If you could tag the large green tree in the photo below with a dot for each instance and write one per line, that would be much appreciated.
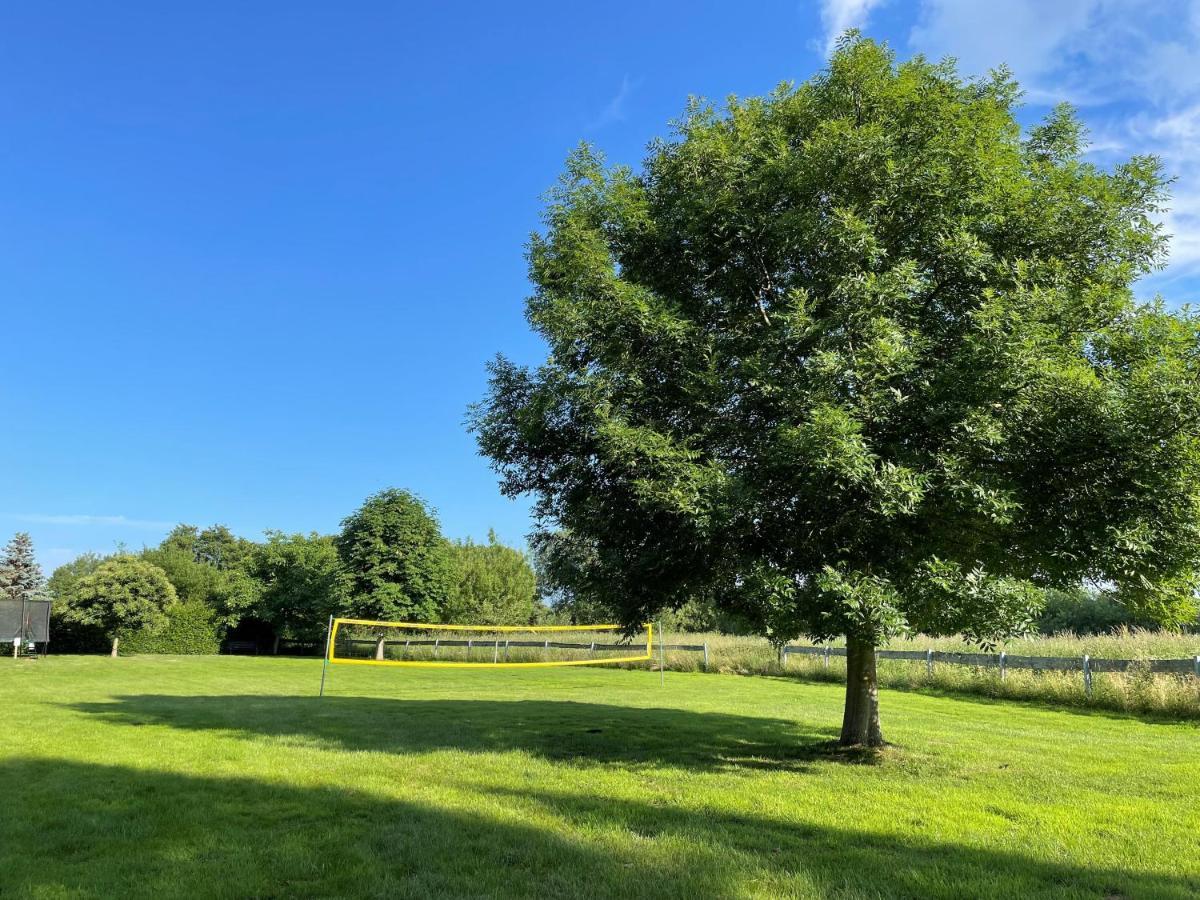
(397, 563)
(122, 595)
(858, 358)
(494, 585)
(209, 566)
(301, 584)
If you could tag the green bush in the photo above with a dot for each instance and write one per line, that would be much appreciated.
(190, 629)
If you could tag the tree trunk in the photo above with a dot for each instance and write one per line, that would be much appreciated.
(860, 723)
(116, 641)
(275, 646)
(379, 647)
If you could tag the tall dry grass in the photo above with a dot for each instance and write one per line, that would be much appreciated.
(1137, 690)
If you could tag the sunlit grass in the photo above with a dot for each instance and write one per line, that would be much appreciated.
(198, 777)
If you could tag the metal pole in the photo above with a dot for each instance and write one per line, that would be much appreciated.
(325, 658)
(662, 660)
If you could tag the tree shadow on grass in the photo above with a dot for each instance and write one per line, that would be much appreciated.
(99, 830)
(556, 730)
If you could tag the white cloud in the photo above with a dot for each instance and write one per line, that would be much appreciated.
(614, 111)
(838, 16)
(79, 519)
(1031, 37)
(1133, 66)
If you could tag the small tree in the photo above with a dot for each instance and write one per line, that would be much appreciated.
(397, 563)
(494, 585)
(20, 575)
(69, 634)
(123, 594)
(858, 358)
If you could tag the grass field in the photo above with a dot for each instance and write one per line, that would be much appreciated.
(220, 776)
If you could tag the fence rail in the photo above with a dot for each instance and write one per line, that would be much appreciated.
(505, 643)
(1085, 665)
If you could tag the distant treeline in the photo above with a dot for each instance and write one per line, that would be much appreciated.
(200, 588)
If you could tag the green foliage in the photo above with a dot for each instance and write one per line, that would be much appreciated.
(209, 567)
(123, 595)
(189, 628)
(857, 358)
(1083, 612)
(20, 575)
(68, 634)
(396, 562)
(494, 585)
(300, 583)
(66, 578)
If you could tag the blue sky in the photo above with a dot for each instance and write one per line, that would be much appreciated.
(254, 256)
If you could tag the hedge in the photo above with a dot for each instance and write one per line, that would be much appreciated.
(189, 629)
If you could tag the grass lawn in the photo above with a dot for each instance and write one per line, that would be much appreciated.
(227, 776)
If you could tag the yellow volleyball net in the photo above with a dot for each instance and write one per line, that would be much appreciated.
(369, 642)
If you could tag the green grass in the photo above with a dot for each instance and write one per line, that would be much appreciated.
(209, 776)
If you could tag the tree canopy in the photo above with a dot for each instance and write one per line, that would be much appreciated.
(494, 585)
(857, 358)
(20, 575)
(209, 566)
(397, 563)
(123, 594)
(301, 583)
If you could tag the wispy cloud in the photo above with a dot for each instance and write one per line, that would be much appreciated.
(615, 110)
(80, 519)
(838, 16)
(1133, 65)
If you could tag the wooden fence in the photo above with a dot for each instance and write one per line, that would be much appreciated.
(1085, 665)
(498, 644)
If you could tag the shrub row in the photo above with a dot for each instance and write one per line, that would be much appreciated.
(190, 629)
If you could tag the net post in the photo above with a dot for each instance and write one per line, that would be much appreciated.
(662, 659)
(325, 655)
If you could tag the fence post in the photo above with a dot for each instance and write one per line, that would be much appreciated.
(1087, 676)
(495, 651)
(825, 657)
(1003, 669)
(929, 662)
(783, 656)
(506, 640)
(706, 659)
